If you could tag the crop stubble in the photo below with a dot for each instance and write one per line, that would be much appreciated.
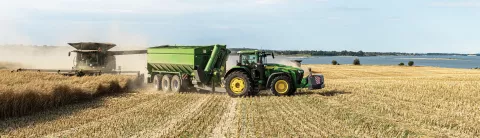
(362, 101)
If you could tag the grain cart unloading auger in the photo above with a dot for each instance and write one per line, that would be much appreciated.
(93, 59)
(181, 68)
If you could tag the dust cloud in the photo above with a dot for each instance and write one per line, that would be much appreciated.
(134, 62)
(40, 57)
(56, 57)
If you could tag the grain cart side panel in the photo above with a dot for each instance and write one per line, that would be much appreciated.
(200, 63)
(170, 60)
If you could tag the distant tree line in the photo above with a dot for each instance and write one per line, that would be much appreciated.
(342, 53)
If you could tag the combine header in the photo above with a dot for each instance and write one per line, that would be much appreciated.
(93, 59)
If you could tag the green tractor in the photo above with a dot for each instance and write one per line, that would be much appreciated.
(252, 74)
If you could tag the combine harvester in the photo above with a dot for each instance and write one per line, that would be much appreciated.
(93, 59)
(184, 68)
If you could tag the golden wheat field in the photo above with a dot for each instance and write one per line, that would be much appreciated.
(23, 93)
(358, 101)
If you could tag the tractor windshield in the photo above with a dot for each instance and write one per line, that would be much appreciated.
(249, 59)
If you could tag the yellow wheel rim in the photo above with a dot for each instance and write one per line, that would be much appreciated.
(281, 86)
(237, 85)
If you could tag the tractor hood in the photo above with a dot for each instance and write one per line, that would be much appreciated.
(281, 66)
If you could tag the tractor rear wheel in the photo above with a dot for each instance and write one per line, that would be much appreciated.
(176, 83)
(166, 83)
(157, 82)
(282, 86)
(238, 84)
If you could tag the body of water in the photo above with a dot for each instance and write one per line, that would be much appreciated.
(435, 61)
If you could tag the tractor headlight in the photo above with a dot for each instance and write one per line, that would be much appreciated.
(300, 71)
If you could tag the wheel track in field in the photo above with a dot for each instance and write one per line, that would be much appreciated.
(383, 99)
(226, 122)
(377, 98)
(161, 130)
(312, 109)
(264, 124)
(285, 116)
(292, 108)
(289, 107)
(96, 123)
(204, 120)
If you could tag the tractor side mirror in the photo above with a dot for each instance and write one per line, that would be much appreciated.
(69, 53)
(238, 63)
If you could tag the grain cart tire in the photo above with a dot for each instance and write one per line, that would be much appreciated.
(238, 84)
(176, 83)
(157, 82)
(166, 79)
(282, 86)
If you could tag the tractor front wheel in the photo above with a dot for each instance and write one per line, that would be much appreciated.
(282, 86)
(238, 84)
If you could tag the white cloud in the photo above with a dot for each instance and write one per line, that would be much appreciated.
(270, 1)
(137, 6)
(128, 6)
(466, 4)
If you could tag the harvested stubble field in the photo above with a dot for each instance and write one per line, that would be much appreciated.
(23, 93)
(359, 101)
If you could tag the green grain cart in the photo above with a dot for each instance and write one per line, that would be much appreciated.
(181, 68)
(177, 68)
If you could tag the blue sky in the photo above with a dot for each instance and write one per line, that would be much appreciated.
(368, 25)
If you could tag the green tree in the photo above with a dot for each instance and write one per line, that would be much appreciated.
(334, 62)
(410, 63)
(360, 53)
(356, 62)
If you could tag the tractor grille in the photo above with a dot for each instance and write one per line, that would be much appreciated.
(299, 78)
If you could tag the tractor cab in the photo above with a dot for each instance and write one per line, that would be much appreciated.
(253, 57)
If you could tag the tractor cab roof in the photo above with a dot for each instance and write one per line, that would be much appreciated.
(247, 52)
(92, 46)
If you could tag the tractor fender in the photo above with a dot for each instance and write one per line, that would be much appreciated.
(273, 75)
(237, 69)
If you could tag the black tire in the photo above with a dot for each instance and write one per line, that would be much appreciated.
(166, 83)
(237, 77)
(176, 83)
(278, 91)
(157, 82)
